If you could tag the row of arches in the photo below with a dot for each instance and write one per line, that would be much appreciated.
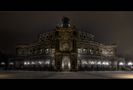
(30, 51)
(47, 36)
(91, 51)
(87, 36)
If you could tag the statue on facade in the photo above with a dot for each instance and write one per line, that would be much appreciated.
(65, 21)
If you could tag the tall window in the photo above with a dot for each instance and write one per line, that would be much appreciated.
(84, 50)
(79, 50)
(91, 51)
(47, 51)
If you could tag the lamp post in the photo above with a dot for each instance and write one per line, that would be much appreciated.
(130, 64)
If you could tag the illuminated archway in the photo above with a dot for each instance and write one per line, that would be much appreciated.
(66, 65)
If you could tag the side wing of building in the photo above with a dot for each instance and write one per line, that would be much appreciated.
(40, 52)
(92, 52)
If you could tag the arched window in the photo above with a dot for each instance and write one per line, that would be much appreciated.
(79, 50)
(46, 51)
(91, 51)
(97, 51)
(41, 51)
(84, 50)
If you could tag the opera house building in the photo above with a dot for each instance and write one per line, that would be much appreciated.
(66, 48)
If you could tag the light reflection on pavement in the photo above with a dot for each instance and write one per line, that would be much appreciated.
(124, 76)
(66, 75)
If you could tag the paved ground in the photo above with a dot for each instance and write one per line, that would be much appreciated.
(65, 75)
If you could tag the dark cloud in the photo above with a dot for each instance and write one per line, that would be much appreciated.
(108, 27)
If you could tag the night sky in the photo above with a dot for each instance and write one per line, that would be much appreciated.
(108, 27)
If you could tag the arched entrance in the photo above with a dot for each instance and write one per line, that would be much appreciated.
(66, 64)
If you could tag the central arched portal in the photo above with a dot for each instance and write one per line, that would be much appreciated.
(66, 64)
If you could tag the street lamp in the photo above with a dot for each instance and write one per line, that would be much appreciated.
(32, 63)
(99, 63)
(92, 62)
(107, 63)
(40, 62)
(26, 63)
(11, 63)
(121, 63)
(47, 62)
(130, 64)
(2, 63)
(104, 63)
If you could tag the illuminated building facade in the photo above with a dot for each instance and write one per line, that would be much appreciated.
(66, 49)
